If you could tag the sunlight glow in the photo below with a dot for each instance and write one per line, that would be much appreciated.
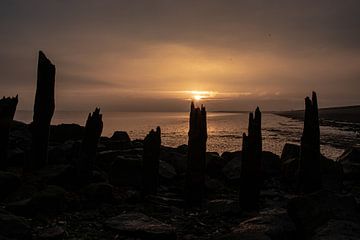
(201, 95)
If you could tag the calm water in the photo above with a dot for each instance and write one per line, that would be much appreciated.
(224, 129)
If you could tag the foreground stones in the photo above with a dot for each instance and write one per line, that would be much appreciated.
(141, 226)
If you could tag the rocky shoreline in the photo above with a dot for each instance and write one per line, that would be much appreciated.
(48, 204)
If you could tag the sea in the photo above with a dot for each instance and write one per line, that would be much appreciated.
(224, 129)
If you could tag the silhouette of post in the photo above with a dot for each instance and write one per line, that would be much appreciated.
(7, 112)
(43, 111)
(250, 178)
(150, 164)
(92, 133)
(196, 163)
(310, 166)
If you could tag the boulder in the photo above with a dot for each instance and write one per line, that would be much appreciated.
(290, 151)
(52, 233)
(271, 164)
(214, 164)
(50, 200)
(98, 192)
(9, 182)
(13, 227)
(177, 160)
(62, 175)
(166, 171)
(227, 156)
(350, 161)
(232, 170)
(269, 224)
(314, 210)
(223, 207)
(182, 149)
(338, 230)
(64, 132)
(15, 157)
(141, 226)
(121, 137)
(126, 172)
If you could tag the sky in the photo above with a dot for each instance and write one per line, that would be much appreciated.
(142, 55)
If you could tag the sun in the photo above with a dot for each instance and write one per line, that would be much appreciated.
(197, 97)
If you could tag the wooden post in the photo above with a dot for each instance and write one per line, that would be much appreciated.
(43, 111)
(310, 165)
(250, 178)
(150, 164)
(196, 164)
(7, 112)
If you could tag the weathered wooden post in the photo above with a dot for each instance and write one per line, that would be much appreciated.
(309, 173)
(250, 178)
(43, 111)
(150, 164)
(196, 163)
(92, 133)
(7, 112)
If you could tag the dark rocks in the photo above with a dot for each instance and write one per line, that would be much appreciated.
(121, 136)
(290, 151)
(214, 165)
(196, 163)
(176, 159)
(98, 192)
(64, 132)
(251, 175)
(223, 207)
(166, 171)
(50, 200)
(139, 225)
(232, 169)
(43, 111)
(61, 175)
(13, 227)
(309, 178)
(338, 230)
(270, 224)
(312, 211)
(350, 161)
(52, 233)
(9, 182)
(271, 165)
(150, 162)
(126, 172)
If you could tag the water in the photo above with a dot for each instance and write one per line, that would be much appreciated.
(224, 129)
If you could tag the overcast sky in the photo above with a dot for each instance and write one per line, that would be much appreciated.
(150, 55)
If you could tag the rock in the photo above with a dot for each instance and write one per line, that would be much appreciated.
(290, 151)
(350, 161)
(13, 227)
(9, 182)
(98, 192)
(269, 224)
(227, 156)
(64, 132)
(271, 164)
(214, 186)
(49, 200)
(121, 137)
(289, 170)
(126, 172)
(177, 160)
(223, 207)
(16, 157)
(232, 170)
(64, 153)
(139, 225)
(182, 149)
(338, 230)
(160, 200)
(214, 164)
(52, 233)
(166, 171)
(331, 174)
(313, 210)
(62, 175)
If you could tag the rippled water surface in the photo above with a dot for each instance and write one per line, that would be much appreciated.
(224, 129)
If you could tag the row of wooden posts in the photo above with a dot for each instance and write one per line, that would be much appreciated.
(309, 177)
